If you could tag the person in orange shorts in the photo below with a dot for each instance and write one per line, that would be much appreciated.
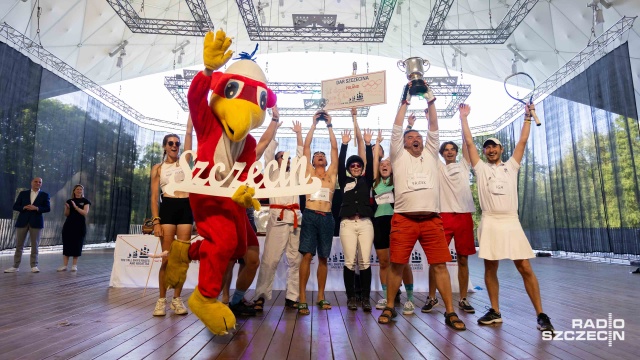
(417, 205)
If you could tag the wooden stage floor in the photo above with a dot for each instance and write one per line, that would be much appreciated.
(76, 315)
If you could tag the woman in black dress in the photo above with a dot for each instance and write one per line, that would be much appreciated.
(75, 227)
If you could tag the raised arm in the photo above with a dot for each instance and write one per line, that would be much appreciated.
(358, 135)
(188, 137)
(368, 161)
(342, 158)
(397, 135)
(376, 158)
(297, 128)
(269, 134)
(431, 112)
(333, 168)
(467, 138)
(518, 152)
(307, 141)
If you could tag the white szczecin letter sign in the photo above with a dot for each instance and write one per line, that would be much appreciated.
(287, 183)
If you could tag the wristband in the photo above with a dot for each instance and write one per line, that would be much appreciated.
(409, 127)
(329, 125)
(275, 119)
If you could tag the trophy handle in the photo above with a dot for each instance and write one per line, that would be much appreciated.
(426, 64)
(401, 63)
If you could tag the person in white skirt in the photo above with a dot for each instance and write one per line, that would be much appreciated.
(500, 234)
(283, 234)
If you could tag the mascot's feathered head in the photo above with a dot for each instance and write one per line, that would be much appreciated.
(241, 97)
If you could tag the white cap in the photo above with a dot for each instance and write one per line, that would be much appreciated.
(248, 69)
(491, 140)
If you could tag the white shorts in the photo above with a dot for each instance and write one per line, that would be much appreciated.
(500, 236)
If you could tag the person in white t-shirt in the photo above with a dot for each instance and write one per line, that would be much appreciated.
(417, 204)
(283, 233)
(456, 210)
(500, 234)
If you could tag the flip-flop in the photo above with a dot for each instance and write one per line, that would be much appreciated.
(323, 303)
(303, 309)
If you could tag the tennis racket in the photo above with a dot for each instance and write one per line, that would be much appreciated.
(521, 80)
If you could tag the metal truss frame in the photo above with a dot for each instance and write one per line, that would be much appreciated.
(302, 112)
(51, 62)
(198, 27)
(435, 34)
(442, 87)
(339, 33)
(569, 70)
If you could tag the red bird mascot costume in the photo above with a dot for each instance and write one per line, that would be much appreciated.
(237, 105)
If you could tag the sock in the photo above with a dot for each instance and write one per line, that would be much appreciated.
(237, 297)
(384, 291)
(409, 288)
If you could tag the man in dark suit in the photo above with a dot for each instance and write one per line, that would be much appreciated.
(31, 204)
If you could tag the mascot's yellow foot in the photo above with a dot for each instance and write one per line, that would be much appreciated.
(216, 316)
(177, 264)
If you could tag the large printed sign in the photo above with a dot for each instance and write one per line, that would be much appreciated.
(355, 91)
(133, 267)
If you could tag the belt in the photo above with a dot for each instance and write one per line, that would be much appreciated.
(421, 217)
(291, 207)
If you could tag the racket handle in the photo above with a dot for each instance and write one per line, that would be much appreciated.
(535, 117)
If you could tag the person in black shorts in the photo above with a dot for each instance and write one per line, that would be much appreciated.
(384, 199)
(172, 216)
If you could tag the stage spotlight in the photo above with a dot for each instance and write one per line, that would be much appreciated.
(514, 65)
(180, 56)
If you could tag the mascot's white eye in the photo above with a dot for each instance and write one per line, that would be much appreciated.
(262, 97)
(233, 88)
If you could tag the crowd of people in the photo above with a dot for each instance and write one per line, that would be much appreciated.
(388, 203)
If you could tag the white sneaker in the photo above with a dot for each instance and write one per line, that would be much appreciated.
(35, 269)
(408, 308)
(382, 303)
(74, 267)
(62, 268)
(178, 306)
(11, 270)
(160, 309)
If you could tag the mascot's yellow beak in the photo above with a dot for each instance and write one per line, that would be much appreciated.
(238, 116)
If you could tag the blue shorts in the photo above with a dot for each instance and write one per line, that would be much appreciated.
(316, 233)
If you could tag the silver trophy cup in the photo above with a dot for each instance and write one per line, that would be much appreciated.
(415, 68)
(321, 104)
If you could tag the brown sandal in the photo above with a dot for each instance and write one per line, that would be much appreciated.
(392, 313)
(454, 323)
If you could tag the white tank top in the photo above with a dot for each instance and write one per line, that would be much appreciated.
(170, 170)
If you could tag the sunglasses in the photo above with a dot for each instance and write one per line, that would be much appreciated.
(171, 143)
(282, 157)
(318, 153)
(355, 166)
